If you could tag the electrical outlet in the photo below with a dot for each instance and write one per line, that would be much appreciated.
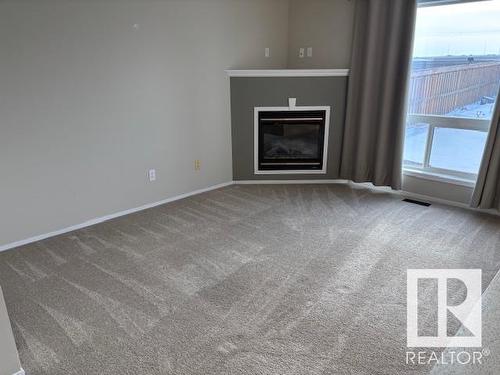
(197, 165)
(152, 175)
(302, 52)
(267, 52)
(309, 52)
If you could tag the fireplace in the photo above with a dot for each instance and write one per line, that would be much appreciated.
(291, 140)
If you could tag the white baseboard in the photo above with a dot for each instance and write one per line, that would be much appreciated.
(288, 182)
(108, 217)
(20, 372)
(445, 202)
(421, 197)
(401, 193)
(244, 182)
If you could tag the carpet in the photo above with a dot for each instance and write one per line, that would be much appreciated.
(262, 279)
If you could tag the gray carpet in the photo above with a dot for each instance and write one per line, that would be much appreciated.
(290, 279)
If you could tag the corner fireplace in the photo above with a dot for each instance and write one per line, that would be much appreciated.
(291, 140)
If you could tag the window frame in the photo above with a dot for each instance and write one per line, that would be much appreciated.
(425, 170)
(445, 122)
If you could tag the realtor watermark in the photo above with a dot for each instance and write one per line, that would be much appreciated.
(450, 357)
(468, 313)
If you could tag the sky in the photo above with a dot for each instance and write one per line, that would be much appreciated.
(459, 29)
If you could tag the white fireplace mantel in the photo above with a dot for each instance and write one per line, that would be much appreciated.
(291, 107)
(289, 73)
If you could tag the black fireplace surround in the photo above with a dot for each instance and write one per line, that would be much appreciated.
(291, 140)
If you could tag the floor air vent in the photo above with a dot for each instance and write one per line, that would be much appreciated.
(420, 203)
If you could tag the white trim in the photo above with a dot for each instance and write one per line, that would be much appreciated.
(445, 202)
(430, 199)
(438, 177)
(442, 174)
(289, 73)
(403, 194)
(450, 122)
(399, 193)
(242, 182)
(20, 372)
(257, 110)
(289, 182)
(109, 217)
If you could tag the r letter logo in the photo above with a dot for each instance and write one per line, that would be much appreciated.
(468, 312)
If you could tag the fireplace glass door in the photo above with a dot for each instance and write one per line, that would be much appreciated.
(291, 140)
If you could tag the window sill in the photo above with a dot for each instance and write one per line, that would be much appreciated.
(438, 177)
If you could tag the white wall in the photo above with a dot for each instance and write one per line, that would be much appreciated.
(89, 103)
(325, 25)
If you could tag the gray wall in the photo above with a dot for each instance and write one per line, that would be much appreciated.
(326, 26)
(9, 359)
(247, 93)
(89, 103)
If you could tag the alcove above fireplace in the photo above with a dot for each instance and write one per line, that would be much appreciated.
(291, 139)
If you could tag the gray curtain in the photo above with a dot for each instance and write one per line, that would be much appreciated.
(487, 191)
(372, 146)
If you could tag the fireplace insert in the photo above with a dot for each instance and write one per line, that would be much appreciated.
(291, 140)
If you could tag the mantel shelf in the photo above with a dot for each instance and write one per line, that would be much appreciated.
(289, 73)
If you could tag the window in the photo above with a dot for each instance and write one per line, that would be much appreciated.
(454, 82)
